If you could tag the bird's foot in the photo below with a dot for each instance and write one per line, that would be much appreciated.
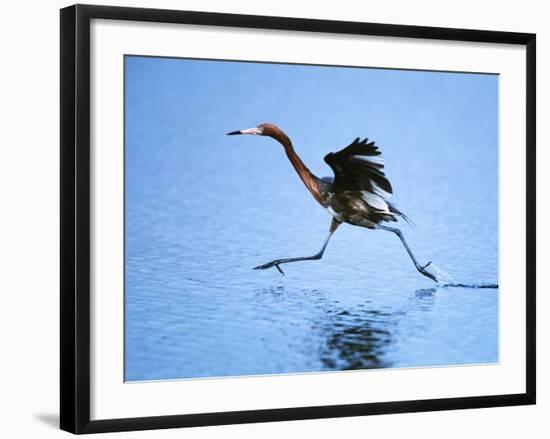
(422, 270)
(274, 263)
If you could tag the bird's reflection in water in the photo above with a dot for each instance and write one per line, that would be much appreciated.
(425, 293)
(357, 339)
(357, 336)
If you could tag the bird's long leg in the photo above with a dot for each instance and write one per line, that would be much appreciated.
(277, 262)
(420, 268)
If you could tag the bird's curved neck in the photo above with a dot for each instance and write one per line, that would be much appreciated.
(307, 177)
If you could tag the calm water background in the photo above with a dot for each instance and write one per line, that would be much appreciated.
(203, 208)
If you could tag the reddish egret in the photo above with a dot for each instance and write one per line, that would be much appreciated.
(356, 195)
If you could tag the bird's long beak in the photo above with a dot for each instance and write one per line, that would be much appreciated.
(254, 130)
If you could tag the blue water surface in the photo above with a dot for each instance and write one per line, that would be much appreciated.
(203, 208)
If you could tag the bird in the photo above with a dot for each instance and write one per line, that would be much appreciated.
(357, 194)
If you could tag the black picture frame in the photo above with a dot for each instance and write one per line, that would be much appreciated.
(75, 217)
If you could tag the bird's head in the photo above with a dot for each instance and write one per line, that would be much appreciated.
(264, 129)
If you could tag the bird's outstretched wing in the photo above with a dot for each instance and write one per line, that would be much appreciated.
(359, 167)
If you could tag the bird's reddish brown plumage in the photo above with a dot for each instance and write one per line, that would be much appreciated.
(308, 178)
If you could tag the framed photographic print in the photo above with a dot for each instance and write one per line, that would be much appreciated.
(268, 218)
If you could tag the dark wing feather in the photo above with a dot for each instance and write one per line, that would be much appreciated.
(359, 167)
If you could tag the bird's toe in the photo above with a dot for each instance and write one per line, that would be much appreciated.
(430, 275)
(264, 266)
(270, 265)
(279, 269)
(260, 267)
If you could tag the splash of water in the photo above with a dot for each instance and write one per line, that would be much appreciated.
(441, 275)
(446, 280)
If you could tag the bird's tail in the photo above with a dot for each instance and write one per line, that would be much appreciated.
(396, 211)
